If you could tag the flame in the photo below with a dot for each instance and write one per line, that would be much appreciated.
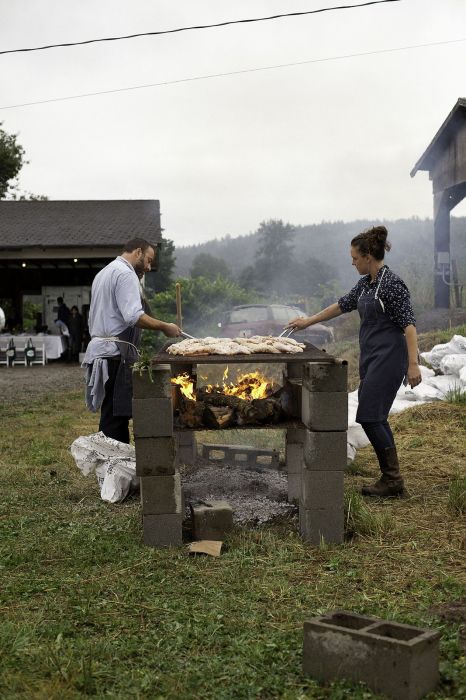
(186, 385)
(249, 386)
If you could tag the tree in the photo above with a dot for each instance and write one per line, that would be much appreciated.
(160, 280)
(11, 161)
(210, 267)
(274, 255)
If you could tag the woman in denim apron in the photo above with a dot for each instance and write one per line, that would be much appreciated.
(388, 348)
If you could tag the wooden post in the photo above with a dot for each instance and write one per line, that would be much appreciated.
(442, 250)
(179, 318)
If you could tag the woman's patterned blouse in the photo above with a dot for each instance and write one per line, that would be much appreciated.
(393, 293)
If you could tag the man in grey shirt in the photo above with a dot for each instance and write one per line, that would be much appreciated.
(117, 311)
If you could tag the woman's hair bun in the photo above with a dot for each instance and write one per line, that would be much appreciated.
(372, 241)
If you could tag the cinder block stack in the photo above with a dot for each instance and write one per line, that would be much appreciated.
(325, 418)
(156, 458)
(294, 459)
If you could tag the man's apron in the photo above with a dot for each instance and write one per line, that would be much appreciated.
(123, 390)
(383, 359)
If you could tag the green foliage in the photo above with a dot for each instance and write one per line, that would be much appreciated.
(203, 302)
(361, 520)
(210, 267)
(30, 311)
(11, 161)
(457, 495)
(160, 279)
(457, 395)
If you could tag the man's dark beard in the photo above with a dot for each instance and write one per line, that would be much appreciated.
(139, 268)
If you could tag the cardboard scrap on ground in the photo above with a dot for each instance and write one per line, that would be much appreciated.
(206, 547)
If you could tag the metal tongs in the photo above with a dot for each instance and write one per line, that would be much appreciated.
(286, 333)
(186, 335)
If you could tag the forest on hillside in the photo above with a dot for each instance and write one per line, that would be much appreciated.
(320, 252)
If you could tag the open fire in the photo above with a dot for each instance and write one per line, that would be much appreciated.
(252, 399)
(249, 386)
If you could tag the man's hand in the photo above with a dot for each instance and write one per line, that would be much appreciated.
(414, 374)
(298, 323)
(171, 330)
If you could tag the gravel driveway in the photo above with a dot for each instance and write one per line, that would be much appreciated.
(20, 384)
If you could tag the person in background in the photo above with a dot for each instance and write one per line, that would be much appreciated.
(117, 311)
(63, 312)
(388, 348)
(75, 327)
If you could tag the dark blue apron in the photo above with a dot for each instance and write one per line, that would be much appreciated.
(383, 359)
(123, 390)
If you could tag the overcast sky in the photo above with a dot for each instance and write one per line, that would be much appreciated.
(328, 140)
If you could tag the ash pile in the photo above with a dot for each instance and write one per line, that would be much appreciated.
(256, 496)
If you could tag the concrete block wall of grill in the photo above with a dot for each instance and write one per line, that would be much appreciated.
(315, 451)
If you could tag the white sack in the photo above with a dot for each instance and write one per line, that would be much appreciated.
(457, 345)
(113, 463)
(453, 364)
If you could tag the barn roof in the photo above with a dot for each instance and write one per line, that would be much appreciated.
(443, 136)
(88, 223)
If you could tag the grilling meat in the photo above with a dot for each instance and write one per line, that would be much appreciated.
(236, 346)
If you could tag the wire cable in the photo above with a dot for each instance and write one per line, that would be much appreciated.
(199, 26)
(234, 72)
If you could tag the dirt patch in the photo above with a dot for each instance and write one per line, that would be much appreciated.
(19, 385)
(256, 496)
(455, 613)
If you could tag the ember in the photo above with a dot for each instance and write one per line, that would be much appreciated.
(249, 386)
(253, 399)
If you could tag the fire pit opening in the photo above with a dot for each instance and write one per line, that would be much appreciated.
(214, 397)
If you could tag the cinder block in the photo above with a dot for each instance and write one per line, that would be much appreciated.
(325, 411)
(325, 450)
(163, 530)
(294, 458)
(211, 521)
(161, 494)
(325, 376)
(155, 456)
(322, 490)
(159, 387)
(294, 370)
(294, 487)
(152, 417)
(295, 434)
(319, 524)
(186, 447)
(396, 660)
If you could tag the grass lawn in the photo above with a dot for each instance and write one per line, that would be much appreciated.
(87, 610)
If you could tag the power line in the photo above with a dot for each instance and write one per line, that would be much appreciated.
(235, 72)
(200, 26)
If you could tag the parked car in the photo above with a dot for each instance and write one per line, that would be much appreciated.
(269, 319)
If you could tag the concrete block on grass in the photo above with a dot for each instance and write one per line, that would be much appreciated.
(211, 520)
(325, 450)
(159, 387)
(321, 524)
(161, 494)
(325, 411)
(322, 490)
(294, 458)
(152, 418)
(326, 376)
(163, 530)
(294, 487)
(399, 661)
(155, 456)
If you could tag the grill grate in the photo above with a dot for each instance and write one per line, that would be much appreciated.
(309, 354)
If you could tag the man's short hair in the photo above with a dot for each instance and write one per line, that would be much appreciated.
(60, 300)
(135, 243)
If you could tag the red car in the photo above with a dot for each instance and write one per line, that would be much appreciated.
(269, 319)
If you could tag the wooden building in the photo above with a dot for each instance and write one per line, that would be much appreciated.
(445, 160)
(55, 248)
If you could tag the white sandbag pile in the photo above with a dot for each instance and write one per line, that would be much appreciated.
(113, 463)
(447, 358)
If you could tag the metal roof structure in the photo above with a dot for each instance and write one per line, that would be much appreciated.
(442, 138)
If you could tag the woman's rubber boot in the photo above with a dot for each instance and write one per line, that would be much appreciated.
(390, 483)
